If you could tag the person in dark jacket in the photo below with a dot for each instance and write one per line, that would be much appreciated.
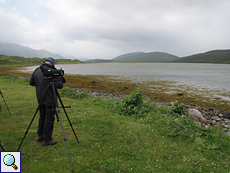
(47, 108)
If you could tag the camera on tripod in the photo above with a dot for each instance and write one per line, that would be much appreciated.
(50, 73)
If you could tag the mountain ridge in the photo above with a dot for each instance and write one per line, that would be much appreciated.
(152, 57)
(220, 56)
(24, 51)
(140, 57)
(127, 55)
(213, 56)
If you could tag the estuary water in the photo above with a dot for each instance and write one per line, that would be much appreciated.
(214, 76)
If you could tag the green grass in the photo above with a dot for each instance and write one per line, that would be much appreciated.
(109, 142)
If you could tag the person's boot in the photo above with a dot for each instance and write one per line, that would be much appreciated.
(40, 138)
(49, 142)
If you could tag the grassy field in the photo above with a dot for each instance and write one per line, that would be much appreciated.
(155, 141)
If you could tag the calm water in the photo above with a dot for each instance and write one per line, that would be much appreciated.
(215, 76)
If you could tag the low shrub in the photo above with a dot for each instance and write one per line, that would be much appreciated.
(133, 105)
(177, 109)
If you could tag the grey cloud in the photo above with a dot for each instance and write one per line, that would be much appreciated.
(104, 28)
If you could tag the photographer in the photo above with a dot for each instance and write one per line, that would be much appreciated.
(41, 78)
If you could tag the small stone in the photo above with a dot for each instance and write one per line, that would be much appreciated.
(218, 124)
(226, 130)
(226, 120)
(227, 115)
(170, 104)
(221, 115)
(211, 109)
(208, 121)
(213, 122)
(216, 118)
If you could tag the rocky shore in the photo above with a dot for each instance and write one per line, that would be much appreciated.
(207, 117)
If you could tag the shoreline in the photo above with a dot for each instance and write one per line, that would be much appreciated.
(156, 90)
(209, 93)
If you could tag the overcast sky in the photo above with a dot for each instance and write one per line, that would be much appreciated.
(104, 29)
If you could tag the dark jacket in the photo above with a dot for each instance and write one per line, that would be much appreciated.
(41, 82)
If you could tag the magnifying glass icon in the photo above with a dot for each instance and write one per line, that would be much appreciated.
(9, 160)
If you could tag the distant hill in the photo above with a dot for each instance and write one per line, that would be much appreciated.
(151, 57)
(99, 61)
(214, 56)
(22, 51)
(128, 55)
(138, 57)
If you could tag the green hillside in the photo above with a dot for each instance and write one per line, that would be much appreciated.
(151, 57)
(124, 56)
(138, 57)
(215, 56)
(17, 60)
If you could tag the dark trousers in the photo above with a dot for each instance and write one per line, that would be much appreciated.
(46, 122)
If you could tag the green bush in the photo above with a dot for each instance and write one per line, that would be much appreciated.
(133, 105)
(177, 109)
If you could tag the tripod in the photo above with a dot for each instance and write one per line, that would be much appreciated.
(57, 112)
(5, 101)
(2, 146)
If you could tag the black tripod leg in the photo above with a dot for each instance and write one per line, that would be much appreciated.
(58, 111)
(56, 114)
(66, 114)
(34, 115)
(2, 146)
(5, 102)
